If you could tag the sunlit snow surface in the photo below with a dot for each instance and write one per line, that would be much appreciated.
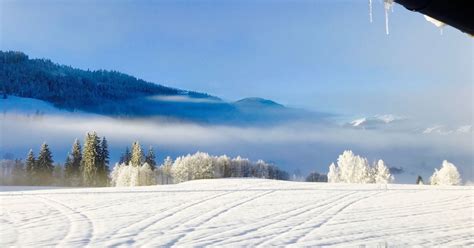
(239, 212)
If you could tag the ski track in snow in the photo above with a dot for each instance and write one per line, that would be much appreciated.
(238, 212)
(80, 228)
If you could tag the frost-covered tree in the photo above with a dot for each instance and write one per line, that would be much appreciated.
(203, 166)
(146, 175)
(447, 175)
(137, 154)
(382, 173)
(224, 168)
(129, 176)
(333, 174)
(164, 171)
(351, 168)
(44, 165)
(197, 166)
(150, 158)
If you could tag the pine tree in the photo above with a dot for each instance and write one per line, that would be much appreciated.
(90, 159)
(72, 173)
(125, 158)
(44, 165)
(150, 158)
(137, 154)
(104, 151)
(419, 180)
(103, 169)
(68, 169)
(30, 167)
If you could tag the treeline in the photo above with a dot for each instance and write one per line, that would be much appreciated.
(88, 166)
(351, 168)
(204, 166)
(139, 170)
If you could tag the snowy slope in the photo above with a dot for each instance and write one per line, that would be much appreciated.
(239, 212)
(14, 105)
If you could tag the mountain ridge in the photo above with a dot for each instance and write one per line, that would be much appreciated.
(117, 94)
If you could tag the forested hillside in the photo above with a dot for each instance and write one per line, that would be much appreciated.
(73, 88)
(117, 94)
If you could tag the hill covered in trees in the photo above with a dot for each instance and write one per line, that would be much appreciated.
(73, 88)
(120, 95)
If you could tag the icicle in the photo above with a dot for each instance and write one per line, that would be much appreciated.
(387, 5)
(370, 11)
(441, 30)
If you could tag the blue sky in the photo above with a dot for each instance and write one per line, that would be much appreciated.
(321, 55)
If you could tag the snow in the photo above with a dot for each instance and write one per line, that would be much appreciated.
(435, 22)
(375, 121)
(444, 130)
(29, 106)
(239, 212)
(358, 122)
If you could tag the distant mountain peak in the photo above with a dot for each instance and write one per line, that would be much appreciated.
(257, 101)
(375, 121)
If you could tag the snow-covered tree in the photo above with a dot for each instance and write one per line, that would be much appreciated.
(203, 166)
(447, 175)
(382, 173)
(129, 176)
(137, 154)
(333, 174)
(197, 166)
(163, 173)
(146, 175)
(223, 168)
(114, 174)
(351, 168)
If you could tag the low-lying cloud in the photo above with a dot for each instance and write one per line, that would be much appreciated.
(305, 146)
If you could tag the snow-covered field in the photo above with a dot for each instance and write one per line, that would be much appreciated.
(238, 212)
